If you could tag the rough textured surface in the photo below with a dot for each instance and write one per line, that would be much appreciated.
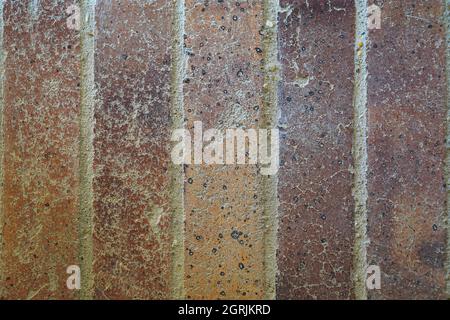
(86, 176)
(223, 88)
(316, 204)
(41, 108)
(132, 150)
(406, 149)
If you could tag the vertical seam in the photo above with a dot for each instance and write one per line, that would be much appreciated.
(2, 102)
(86, 152)
(269, 117)
(359, 152)
(176, 172)
(447, 166)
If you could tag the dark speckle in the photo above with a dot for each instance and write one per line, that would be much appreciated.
(235, 234)
(433, 254)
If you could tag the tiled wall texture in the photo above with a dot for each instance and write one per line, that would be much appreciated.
(92, 90)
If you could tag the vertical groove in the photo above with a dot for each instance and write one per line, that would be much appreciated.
(86, 147)
(360, 151)
(269, 119)
(2, 75)
(447, 24)
(177, 171)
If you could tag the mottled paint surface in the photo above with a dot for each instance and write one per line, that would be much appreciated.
(132, 150)
(316, 205)
(41, 108)
(407, 111)
(223, 88)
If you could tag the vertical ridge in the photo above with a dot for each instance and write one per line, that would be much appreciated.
(447, 25)
(360, 151)
(2, 74)
(269, 121)
(86, 147)
(177, 171)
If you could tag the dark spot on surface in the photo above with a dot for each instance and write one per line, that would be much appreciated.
(241, 266)
(432, 254)
(235, 234)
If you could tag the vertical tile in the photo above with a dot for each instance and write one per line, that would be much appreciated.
(406, 150)
(132, 214)
(223, 89)
(315, 184)
(41, 109)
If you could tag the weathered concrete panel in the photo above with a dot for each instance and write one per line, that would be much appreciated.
(223, 89)
(406, 149)
(40, 166)
(132, 215)
(315, 184)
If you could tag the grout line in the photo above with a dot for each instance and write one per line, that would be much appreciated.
(177, 171)
(2, 102)
(86, 147)
(359, 152)
(447, 35)
(269, 184)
